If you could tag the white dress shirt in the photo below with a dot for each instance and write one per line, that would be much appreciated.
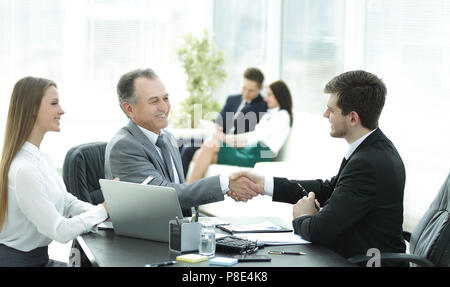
(354, 145)
(268, 180)
(39, 204)
(152, 137)
(272, 130)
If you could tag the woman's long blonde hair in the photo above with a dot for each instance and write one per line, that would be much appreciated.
(23, 109)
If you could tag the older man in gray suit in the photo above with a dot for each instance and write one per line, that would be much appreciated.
(143, 151)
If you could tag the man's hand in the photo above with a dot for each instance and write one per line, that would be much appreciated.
(257, 179)
(305, 206)
(245, 185)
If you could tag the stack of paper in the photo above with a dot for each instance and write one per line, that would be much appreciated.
(223, 261)
(265, 226)
(277, 238)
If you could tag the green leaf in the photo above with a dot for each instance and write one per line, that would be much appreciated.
(203, 65)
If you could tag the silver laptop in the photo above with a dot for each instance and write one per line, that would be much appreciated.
(141, 211)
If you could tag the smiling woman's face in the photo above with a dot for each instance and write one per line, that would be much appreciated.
(50, 111)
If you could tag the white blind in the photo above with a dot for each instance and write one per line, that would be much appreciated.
(312, 49)
(407, 43)
(85, 46)
(240, 29)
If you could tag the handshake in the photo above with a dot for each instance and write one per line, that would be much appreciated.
(245, 185)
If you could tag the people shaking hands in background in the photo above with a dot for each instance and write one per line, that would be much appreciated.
(260, 144)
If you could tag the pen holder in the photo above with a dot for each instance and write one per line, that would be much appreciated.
(184, 237)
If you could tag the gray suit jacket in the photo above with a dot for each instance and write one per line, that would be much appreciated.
(132, 157)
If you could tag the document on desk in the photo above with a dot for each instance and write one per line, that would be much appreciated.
(263, 227)
(278, 238)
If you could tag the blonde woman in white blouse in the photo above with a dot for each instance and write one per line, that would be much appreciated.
(262, 144)
(35, 207)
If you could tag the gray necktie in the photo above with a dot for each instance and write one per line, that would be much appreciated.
(162, 144)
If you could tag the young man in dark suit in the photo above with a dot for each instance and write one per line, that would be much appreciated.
(233, 118)
(240, 114)
(363, 203)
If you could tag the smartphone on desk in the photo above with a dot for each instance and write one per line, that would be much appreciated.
(253, 258)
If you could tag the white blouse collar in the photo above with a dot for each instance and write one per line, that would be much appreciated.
(31, 148)
(273, 110)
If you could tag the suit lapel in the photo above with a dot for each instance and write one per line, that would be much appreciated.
(148, 146)
(236, 104)
(343, 163)
(375, 136)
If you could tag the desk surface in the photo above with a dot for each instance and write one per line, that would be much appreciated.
(106, 249)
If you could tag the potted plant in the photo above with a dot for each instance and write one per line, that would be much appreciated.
(203, 65)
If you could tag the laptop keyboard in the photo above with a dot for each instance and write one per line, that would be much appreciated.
(235, 244)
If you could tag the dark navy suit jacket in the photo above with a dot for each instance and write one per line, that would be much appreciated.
(258, 106)
(362, 204)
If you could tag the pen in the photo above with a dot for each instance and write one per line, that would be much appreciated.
(148, 179)
(179, 221)
(165, 263)
(285, 253)
(194, 217)
(196, 214)
(306, 194)
(224, 229)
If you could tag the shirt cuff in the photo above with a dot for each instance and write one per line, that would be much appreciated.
(224, 183)
(94, 216)
(268, 185)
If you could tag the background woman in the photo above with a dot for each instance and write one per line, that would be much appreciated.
(34, 204)
(262, 144)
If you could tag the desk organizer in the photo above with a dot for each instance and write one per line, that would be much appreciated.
(184, 236)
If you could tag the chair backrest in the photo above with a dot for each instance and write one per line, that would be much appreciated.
(83, 167)
(431, 236)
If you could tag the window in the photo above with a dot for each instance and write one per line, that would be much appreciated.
(312, 49)
(410, 49)
(85, 46)
(240, 28)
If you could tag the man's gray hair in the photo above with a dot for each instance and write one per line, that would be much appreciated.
(125, 86)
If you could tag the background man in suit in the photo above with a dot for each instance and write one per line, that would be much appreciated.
(240, 114)
(363, 203)
(144, 151)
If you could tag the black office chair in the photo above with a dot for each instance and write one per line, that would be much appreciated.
(83, 167)
(430, 240)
